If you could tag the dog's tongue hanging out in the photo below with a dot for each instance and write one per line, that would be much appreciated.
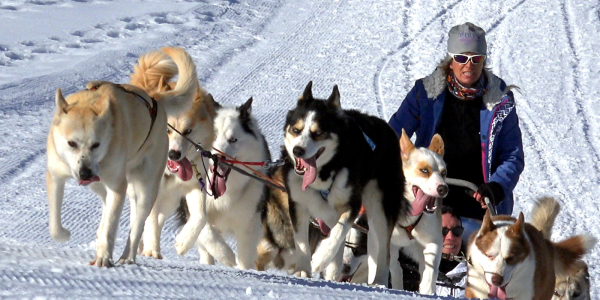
(183, 168)
(310, 173)
(219, 186)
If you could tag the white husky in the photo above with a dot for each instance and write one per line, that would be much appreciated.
(237, 200)
(421, 233)
(112, 138)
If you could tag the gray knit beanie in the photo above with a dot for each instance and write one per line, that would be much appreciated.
(467, 37)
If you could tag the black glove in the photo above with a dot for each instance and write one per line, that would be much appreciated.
(493, 191)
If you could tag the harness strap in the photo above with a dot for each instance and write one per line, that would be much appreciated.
(410, 228)
(152, 109)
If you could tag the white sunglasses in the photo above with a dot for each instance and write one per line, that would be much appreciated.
(465, 58)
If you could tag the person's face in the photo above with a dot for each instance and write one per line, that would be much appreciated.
(467, 74)
(452, 243)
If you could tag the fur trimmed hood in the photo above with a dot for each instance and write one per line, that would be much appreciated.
(435, 84)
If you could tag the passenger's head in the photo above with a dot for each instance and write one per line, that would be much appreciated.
(467, 50)
(452, 230)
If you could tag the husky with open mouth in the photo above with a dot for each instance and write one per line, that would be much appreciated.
(420, 234)
(336, 161)
(235, 202)
(112, 138)
(153, 73)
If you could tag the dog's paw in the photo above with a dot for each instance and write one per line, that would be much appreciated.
(126, 261)
(152, 253)
(183, 244)
(318, 264)
(303, 274)
(102, 262)
(60, 235)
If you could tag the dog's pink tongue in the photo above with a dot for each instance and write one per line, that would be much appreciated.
(419, 204)
(324, 228)
(311, 171)
(183, 167)
(220, 184)
(86, 182)
(497, 292)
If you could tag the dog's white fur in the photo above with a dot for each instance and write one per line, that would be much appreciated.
(238, 211)
(153, 73)
(423, 168)
(107, 133)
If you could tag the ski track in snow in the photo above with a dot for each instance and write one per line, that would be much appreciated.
(269, 50)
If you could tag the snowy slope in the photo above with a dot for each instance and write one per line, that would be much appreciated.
(374, 51)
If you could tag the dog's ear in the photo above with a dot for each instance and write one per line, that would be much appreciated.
(406, 146)
(487, 225)
(519, 226)
(307, 94)
(101, 105)
(436, 145)
(334, 98)
(246, 109)
(61, 104)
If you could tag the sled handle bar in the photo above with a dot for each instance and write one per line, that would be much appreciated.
(473, 187)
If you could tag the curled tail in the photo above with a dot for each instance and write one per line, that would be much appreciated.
(543, 215)
(180, 98)
(568, 252)
(153, 72)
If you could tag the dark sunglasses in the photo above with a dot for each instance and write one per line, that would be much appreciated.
(464, 58)
(457, 231)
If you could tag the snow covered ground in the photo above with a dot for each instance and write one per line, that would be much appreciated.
(373, 49)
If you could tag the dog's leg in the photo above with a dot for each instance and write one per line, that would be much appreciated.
(300, 222)
(266, 252)
(429, 267)
(214, 243)
(205, 257)
(378, 237)
(142, 192)
(100, 190)
(247, 241)
(334, 270)
(396, 272)
(55, 187)
(330, 246)
(111, 215)
(185, 240)
(165, 206)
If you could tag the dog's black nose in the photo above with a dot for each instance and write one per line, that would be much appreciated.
(299, 151)
(174, 154)
(346, 269)
(442, 190)
(497, 279)
(85, 173)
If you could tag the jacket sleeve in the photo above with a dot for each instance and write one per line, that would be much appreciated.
(509, 154)
(408, 116)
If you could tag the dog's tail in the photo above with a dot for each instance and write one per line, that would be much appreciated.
(180, 98)
(571, 250)
(153, 72)
(543, 215)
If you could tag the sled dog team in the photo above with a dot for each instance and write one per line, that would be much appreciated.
(347, 178)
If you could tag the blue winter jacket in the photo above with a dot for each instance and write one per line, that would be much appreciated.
(501, 145)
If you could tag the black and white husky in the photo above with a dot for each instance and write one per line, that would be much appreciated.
(338, 160)
(235, 201)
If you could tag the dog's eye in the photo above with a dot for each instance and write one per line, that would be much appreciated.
(168, 131)
(444, 173)
(72, 144)
(232, 140)
(425, 171)
(557, 294)
(95, 145)
(187, 131)
(318, 133)
(295, 130)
